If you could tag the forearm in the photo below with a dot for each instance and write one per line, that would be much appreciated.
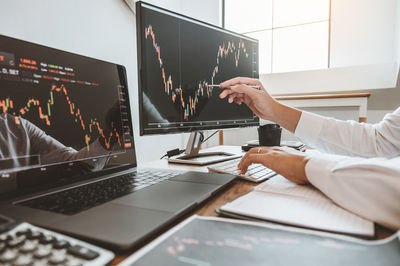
(349, 137)
(367, 187)
(285, 116)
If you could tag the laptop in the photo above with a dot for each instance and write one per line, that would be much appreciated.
(68, 159)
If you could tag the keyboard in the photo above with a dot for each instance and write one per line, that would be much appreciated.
(26, 244)
(77, 199)
(255, 172)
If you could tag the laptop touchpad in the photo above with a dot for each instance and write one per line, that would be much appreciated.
(168, 196)
(113, 223)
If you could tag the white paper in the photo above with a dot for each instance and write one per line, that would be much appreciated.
(280, 200)
(280, 185)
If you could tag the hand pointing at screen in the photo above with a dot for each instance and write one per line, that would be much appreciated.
(359, 169)
(286, 162)
(260, 102)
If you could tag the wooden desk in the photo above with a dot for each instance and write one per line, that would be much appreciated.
(239, 188)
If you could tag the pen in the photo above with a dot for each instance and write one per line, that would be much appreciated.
(251, 86)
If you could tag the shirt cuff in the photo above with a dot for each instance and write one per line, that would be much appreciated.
(319, 170)
(309, 127)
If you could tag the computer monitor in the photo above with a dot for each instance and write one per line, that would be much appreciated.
(63, 116)
(179, 59)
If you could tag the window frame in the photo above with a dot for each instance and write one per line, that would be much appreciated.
(329, 20)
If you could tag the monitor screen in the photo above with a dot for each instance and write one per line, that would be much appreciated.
(62, 115)
(178, 58)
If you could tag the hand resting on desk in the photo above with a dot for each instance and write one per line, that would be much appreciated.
(285, 161)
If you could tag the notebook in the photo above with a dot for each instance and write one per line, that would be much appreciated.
(282, 201)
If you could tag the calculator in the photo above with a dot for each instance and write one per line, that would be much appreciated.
(23, 244)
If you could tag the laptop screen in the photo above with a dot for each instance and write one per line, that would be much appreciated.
(62, 116)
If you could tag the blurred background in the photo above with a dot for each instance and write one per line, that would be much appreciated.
(307, 47)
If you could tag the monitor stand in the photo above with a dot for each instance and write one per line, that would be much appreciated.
(193, 156)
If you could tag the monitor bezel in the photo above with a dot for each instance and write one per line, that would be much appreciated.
(140, 62)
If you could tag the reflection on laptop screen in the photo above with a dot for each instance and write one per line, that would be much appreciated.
(60, 112)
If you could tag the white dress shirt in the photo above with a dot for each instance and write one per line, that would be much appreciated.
(360, 169)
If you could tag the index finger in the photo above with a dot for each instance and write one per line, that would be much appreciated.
(255, 150)
(240, 80)
(240, 89)
(250, 159)
(225, 93)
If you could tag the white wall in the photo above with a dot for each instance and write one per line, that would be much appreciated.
(205, 10)
(334, 80)
(363, 32)
(103, 29)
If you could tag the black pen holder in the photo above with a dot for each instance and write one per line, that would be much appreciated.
(269, 135)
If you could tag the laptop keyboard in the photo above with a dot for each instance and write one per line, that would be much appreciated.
(84, 197)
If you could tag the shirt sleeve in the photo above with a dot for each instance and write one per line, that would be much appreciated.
(349, 137)
(369, 187)
(53, 151)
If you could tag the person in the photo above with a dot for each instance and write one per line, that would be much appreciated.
(360, 166)
(21, 141)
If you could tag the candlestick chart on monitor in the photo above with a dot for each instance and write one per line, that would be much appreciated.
(180, 58)
(203, 88)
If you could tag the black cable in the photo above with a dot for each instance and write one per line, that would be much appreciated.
(172, 153)
(178, 151)
(210, 136)
(201, 137)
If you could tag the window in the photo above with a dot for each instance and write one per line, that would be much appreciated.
(265, 45)
(293, 34)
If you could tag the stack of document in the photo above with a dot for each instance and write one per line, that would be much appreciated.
(282, 201)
